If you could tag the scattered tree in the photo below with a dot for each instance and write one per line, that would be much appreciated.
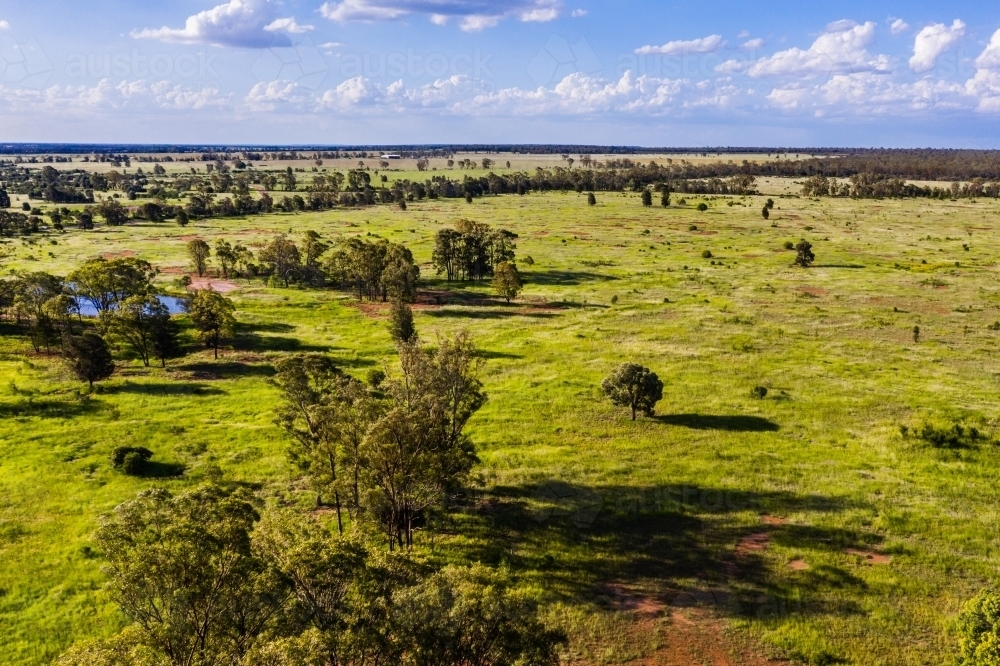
(647, 198)
(283, 258)
(401, 326)
(138, 321)
(212, 316)
(591, 199)
(88, 357)
(507, 281)
(766, 212)
(106, 283)
(804, 256)
(199, 252)
(635, 387)
(665, 199)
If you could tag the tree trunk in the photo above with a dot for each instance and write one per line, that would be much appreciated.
(633, 412)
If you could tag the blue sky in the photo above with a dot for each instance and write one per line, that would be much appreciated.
(526, 71)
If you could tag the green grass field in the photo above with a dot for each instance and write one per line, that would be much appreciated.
(803, 524)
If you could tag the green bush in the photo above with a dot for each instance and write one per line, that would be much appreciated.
(758, 392)
(979, 630)
(702, 207)
(707, 254)
(131, 460)
(955, 437)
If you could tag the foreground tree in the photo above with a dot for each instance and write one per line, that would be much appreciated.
(183, 570)
(635, 387)
(647, 198)
(804, 256)
(212, 316)
(507, 281)
(416, 455)
(88, 357)
(199, 252)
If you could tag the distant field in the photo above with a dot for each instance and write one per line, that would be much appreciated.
(800, 526)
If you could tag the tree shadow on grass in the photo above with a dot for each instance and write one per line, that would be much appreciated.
(488, 314)
(568, 278)
(49, 408)
(246, 328)
(853, 266)
(728, 423)
(178, 388)
(226, 369)
(153, 469)
(274, 343)
(582, 540)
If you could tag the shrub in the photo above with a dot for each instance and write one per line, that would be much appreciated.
(614, 300)
(702, 207)
(789, 245)
(591, 199)
(528, 260)
(131, 460)
(758, 392)
(955, 437)
(375, 378)
(978, 628)
(707, 254)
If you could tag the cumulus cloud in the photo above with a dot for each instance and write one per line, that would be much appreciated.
(473, 15)
(990, 58)
(709, 44)
(753, 44)
(242, 23)
(932, 41)
(108, 96)
(579, 13)
(985, 84)
(870, 93)
(268, 96)
(288, 25)
(899, 26)
(4, 25)
(841, 48)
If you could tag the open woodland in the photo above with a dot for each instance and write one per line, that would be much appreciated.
(842, 515)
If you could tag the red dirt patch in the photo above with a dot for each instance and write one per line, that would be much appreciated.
(118, 255)
(623, 598)
(798, 565)
(870, 557)
(752, 543)
(813, 291)
(768, 519)
(219, 286)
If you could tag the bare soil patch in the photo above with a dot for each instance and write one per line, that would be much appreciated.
(798, 565)
(124, 254)
(219, 286)
(870, 557)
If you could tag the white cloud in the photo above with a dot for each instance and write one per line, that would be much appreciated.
(932, 41)
(331, 45)
(709, 44)
(841, 48)
(4, 25)
(267, 96)
(753, 44)
(985, 84)
(473, 15)
(743, 34)
(106, 96)
(899, 26)
(870, 93)
(358, 91)
(990, 58)
(288, 25)
(579, 13)
(241, 23)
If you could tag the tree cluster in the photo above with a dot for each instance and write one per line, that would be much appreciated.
(472, 250)
(206, 580)
(389, 455)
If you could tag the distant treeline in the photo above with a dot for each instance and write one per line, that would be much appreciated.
(873, 186)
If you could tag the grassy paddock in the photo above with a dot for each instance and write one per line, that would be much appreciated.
(600, 515)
